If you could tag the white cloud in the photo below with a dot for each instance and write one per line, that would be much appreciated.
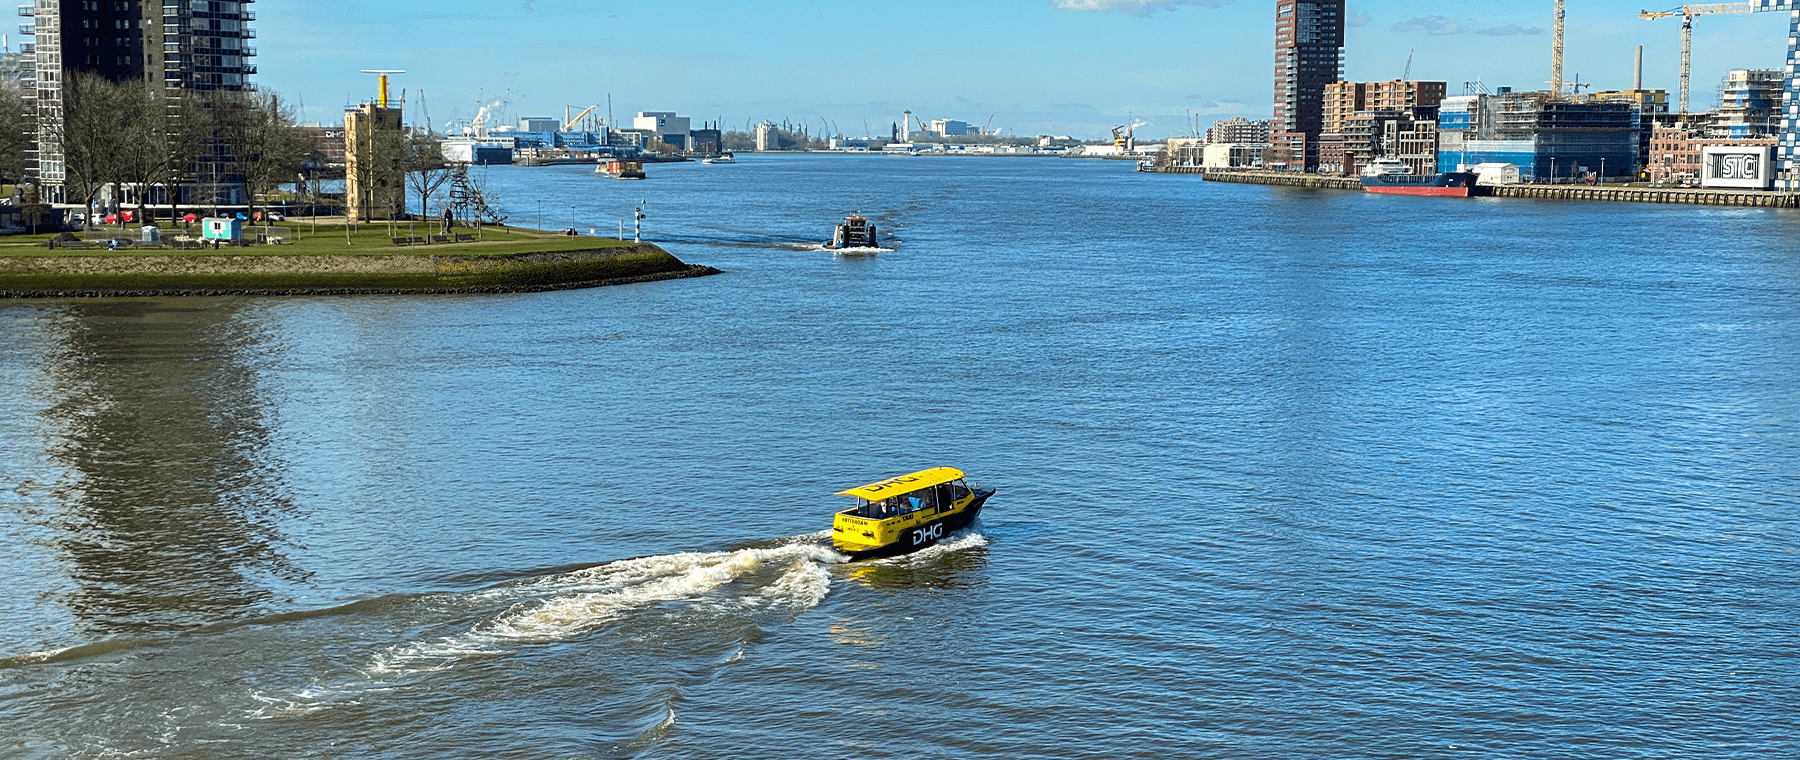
(1354, 18)
(1509, 30)
(1436, 26)
(1132, 7)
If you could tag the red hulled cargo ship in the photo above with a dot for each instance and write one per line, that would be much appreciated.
(1392, 177)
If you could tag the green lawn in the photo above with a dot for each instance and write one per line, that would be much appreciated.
(458, 265)
(367, 238)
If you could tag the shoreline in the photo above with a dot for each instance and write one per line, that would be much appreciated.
(390, 272)
(1664, 195)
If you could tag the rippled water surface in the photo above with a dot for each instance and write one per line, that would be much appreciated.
(1282, 474)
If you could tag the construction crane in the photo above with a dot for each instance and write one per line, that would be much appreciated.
(1556, 53)
(569, 124)
(1687, 14)
(1408, 73)
(1125, 135)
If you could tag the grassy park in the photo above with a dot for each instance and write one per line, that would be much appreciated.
(326, 255)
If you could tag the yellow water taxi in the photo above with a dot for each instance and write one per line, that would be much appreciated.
(907, 513)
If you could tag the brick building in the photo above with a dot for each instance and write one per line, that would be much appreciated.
(1309, 55)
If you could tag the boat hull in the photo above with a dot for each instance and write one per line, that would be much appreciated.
(1448, 184)
(924, 534)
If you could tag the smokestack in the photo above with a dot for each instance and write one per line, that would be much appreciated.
(1637, 78)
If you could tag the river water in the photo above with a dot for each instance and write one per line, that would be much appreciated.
(1281, 474)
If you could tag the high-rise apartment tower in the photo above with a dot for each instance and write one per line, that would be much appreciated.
(192, 44)
(1309, 54)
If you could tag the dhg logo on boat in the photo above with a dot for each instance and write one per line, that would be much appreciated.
(927, 534)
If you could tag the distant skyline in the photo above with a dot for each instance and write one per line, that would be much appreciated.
(1034, 66)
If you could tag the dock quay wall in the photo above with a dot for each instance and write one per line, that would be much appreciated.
(1284, 179)
(1687, 196)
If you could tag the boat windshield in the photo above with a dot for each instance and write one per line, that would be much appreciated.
(932, 499)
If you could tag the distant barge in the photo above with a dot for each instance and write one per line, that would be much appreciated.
(621, 169)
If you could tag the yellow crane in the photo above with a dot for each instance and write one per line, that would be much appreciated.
(1556, 53)
(1687, 14)
(569, 124)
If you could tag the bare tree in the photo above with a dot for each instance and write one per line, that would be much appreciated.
(259, 141)
(15, 133)
(426, 169)
(147, 152)
(95, 127)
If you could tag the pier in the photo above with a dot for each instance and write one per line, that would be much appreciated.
(1686, 196)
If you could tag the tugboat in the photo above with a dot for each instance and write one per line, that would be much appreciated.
(1394, 177)
(854, 232)
(621, 169)
(905, 514)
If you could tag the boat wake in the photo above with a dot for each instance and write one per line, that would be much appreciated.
(626, 600)
(787, 579)
(960, 542)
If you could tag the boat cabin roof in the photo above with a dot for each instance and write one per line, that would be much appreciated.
(904, 484)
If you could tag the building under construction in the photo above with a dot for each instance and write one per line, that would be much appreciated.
(1545, 135)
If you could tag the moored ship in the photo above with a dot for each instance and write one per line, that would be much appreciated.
(1394, 177)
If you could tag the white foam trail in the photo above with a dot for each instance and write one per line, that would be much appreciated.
(566, 605)
(959, 543)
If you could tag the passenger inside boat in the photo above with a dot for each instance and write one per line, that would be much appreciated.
(934, 500)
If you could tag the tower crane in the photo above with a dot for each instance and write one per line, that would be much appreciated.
(1687, 14)
(1787, 152)
(1556, 53)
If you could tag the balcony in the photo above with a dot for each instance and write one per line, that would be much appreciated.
(28, 29)
(26, 10)
(249, 15)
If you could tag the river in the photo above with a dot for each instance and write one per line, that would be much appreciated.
(1282, 473)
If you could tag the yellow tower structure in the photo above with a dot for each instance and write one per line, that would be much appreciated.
(374, 146)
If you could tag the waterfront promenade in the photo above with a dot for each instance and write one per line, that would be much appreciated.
(1627, 194)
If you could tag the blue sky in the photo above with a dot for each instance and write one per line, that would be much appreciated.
(1034, 66)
